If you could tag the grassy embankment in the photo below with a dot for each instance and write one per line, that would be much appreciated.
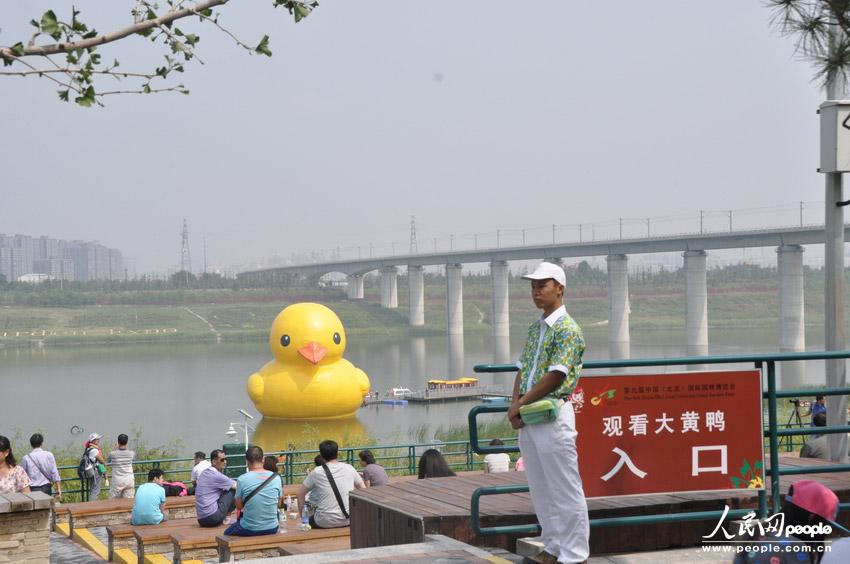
(208, 315)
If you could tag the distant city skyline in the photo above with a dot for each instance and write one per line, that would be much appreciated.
(34, 258)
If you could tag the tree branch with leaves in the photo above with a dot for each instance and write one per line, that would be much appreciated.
(821, 29)
(83, 73)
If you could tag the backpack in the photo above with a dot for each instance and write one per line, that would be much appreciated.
(174, 489)
(86, 468)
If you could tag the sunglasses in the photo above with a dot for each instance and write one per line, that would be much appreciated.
(222, 460)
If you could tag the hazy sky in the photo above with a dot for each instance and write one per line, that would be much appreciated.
(472, 115)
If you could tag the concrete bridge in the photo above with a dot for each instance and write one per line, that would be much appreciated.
(694, 247)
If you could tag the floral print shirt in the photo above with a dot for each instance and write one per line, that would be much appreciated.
(15, 481)
(554, 343)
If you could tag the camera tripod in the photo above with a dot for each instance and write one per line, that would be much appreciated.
(794, 420)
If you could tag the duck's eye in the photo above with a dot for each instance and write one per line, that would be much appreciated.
(284, 340)
(337, 338)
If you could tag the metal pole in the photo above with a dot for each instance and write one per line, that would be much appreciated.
(498, 238)
(774, 439)
(553, 233)
(621, 228)
(836, 370)
(579, 233)
(801, 214)
(730, 221)
(451, 242)
(647, 227)
(701, 216)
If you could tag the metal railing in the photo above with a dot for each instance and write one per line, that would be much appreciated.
(400, 459)
(764, 362)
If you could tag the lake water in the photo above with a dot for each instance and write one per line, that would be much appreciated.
(192, 391)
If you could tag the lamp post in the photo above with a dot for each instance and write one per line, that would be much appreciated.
(231, 430)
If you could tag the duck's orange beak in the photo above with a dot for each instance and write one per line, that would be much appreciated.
(314, 352)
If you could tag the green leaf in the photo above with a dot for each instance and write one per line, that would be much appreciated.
(34, 23)
(94, 58)
(301, 12)
(17, 49)
(745, 469)
(263, 47)
(50, 25)
(87, 99)
(736, 482)
(115, 63)
(72, 60)
(178, 32)
(146, 88)
(207, 13)
(63, 95)
(192, 39)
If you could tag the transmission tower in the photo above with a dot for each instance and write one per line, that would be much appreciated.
(185, 255)
(413, 247)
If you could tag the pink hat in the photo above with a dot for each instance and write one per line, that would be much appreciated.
(815, 498)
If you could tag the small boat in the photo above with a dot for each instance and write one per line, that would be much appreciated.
(495, 399)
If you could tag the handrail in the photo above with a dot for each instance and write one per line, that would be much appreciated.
(766, 362)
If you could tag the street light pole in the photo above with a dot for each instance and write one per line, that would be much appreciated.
(836, 370)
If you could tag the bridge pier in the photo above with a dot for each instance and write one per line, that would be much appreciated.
(618, 306)
(389, 287)
(416, 286)
(355, 286)
(792, 329)
(454, 298)
(456, 368)
(500, 304)
(696, 305)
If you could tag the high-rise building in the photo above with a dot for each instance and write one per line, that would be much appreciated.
(21, 255)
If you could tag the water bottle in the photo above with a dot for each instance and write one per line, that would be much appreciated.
(293, 508)
(305, 521)
(282, 517)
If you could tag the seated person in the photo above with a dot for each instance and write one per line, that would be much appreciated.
(259, 495)
(215, 495)
(497, 462)
(201, 464)
(433, 465)
(816, 446)
(808, 504)
(150, 497)
(330, 512)
(373, 473)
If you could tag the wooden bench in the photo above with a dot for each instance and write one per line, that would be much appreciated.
(118, 511)
(198, 544)
(123, 536)
(315, 546)
(160, 539)
(240, 548)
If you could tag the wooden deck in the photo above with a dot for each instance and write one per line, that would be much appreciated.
(404, 512)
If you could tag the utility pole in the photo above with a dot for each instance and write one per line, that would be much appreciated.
(621, 228)
(647, 228)
(414, 247)
(185, 256)
(801, 214)
(205, 254)
(701, 217)
(553, 233)
(836, 369)
(730, 221)
(579, 233)
(498, 238)
(451, 242)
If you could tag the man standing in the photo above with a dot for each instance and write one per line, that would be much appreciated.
(201, 464)
(121, 461)
(549, 367)
(329, 486)
(215, 495)
(147, 507)
(259, 496)
(40, 466)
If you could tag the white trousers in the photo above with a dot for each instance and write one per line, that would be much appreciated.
(551, 467)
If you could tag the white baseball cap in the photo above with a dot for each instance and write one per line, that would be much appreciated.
(546, 270)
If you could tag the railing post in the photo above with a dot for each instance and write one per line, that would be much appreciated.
(287, 468)
(774, 442)
(411, 460)
(468, 456)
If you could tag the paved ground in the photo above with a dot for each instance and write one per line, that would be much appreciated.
(676, 556)
(64, 551)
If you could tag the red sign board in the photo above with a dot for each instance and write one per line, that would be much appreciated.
(662, 433)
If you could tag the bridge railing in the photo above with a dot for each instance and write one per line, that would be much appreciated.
(765, 362)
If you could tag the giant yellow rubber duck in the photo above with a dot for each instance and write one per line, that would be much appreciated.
(308, 378)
